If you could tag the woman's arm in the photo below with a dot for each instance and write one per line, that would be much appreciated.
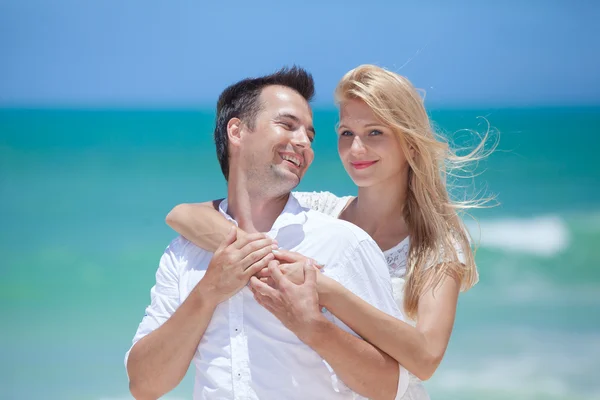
(419, 349)
(359, 364)
(201, 224)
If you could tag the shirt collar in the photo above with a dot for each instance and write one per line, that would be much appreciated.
(293, 213)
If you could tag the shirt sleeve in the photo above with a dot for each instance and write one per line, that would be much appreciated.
(164, 295)
(448, 256)
(364, 272)
(459, 252)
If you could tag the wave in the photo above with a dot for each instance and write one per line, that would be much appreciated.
(525, 364)
(543, 236)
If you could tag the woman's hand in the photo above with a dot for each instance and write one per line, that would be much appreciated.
(291, 265)
(295, 305)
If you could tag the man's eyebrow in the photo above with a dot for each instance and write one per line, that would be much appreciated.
(296, 120)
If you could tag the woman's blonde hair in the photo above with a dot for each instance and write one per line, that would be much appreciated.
(435, 228)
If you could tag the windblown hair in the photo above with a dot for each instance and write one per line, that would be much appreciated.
(438, 235)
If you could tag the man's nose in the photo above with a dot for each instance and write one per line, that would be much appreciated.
(301, 138)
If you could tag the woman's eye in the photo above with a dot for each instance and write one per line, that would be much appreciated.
(346, 133)
(376, 133)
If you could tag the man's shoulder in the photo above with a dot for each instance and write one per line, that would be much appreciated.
(351, 241)
(180, 247)
(345, 230)
(178, 244)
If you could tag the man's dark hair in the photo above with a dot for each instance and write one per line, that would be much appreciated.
(241, 100)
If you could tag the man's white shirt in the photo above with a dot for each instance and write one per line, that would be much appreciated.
(246, 353)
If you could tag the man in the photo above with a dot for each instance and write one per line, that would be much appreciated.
(202, 309)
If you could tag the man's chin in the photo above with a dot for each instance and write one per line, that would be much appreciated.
(292, 182)
(287, 179)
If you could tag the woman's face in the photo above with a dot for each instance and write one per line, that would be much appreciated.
(369, 150)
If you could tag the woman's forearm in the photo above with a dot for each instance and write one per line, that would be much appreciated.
(200, 223)
(400, 340)
(358, 363)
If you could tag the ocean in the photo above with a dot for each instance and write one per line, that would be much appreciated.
(84, 194)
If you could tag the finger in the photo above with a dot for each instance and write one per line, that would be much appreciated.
(263, 273)
(243, 240)
(287, 256)
(265, 302)
(256, 250)
(253, 287)
(258, 266)
(262, 300)
(272, 304)
(256, 257)
(310, 273)
(291, 267)
(292, 257)
(268, 281)
(230, 238)
(277, 276)
(262, 288)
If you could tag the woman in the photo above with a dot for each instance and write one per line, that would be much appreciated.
(389, 149)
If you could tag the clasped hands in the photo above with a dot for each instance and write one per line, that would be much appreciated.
(283, 282)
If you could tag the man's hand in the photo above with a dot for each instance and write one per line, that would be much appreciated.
(233, 263)
(291, 265)
(295, 305)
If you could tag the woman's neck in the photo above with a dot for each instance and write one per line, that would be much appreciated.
(379, 210)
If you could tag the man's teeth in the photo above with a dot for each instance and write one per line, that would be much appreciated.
(293, 160)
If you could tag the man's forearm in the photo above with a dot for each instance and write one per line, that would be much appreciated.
(159, 361)
(361, 366)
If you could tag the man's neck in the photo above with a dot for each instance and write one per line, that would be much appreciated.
(253, 211)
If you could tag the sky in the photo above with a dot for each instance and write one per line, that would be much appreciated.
(149, 53)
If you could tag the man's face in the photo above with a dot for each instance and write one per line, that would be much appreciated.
(277, 152)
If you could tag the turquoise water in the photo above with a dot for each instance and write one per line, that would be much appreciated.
(83, 195)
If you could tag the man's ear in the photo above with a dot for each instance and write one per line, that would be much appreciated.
(234, 131)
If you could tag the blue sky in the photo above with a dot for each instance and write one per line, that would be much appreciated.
(146, 53)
